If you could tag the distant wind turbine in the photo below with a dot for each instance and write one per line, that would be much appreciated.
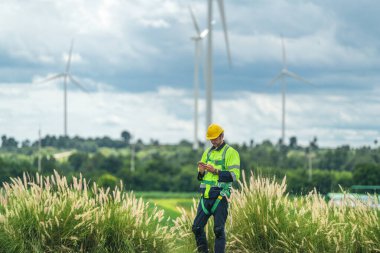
(282, 76)
(66, 75)
(209, 72)
(133, 154)
(39, 151)
(197, 57)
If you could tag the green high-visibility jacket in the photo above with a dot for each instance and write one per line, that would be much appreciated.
(224, 158)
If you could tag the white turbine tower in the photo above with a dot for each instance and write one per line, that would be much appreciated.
(39, 151)
(197, 57)
(66, 75)
(282, 76)
(209, 72)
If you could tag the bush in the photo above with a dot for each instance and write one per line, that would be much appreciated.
(107, 180)
(46, 214)
(263, 218)
(367, 174)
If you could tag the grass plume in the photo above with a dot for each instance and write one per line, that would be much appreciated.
(263, 218)
(47, 214)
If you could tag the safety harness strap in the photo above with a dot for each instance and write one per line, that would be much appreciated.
(225, 192)
(216, 203)
(221, 162)
(204, 208)
(213, 183)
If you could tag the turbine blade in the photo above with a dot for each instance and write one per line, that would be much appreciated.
(284, 62)
(279, 76)
(77, 83)
(201, 58)
(297, 77)
(194, 21)
(50, 78)
(224, 23)
(70, 53)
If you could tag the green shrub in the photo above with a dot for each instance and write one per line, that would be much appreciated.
(46, 214)
(107, 180)
(367, 174)
(262, 218)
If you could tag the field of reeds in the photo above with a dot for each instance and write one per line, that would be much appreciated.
(46, 214)
(263, 218)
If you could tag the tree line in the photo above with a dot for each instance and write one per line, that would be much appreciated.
(162, 167)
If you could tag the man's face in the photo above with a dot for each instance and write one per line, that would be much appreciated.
(218, 141)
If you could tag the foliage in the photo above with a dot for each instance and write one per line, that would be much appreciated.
(8, 143)
(126, 137)
(367, 174)
(263, 218)
(47, 214)
(161, 167)
(13, 166)
(107, 180)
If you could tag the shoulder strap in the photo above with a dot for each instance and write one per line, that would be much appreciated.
(223, 161)
(208, 154)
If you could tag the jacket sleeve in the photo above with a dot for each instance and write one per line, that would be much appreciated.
(200, 176)
(203, 159)
(232, 172)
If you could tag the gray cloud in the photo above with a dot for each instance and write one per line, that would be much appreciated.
(135, 48)
(166, 115)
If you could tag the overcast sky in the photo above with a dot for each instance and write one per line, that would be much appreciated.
(137, 59)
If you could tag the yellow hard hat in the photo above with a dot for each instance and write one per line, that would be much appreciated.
(213, 131)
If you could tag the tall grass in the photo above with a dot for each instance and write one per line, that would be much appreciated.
(263, 218)
(46, 214)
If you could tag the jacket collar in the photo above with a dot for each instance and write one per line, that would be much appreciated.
(219, 148)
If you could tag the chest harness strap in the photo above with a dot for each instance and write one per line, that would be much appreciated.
(225, 192)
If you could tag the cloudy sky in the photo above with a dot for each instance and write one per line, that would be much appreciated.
(136, 59)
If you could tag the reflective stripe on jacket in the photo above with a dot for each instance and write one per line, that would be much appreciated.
(226, 159)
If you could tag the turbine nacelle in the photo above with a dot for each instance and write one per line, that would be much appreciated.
(200, 36)
(203, 33)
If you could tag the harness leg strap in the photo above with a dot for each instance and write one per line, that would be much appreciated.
(203, 207)
(216, 203)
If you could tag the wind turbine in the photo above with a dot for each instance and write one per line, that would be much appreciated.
(133, 154)
(66, 75)
(209, 72)
(39, 151)
(282, 76)
(198, 48)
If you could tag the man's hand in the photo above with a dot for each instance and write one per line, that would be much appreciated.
(211, 169)
(201, 167)
(207, 167)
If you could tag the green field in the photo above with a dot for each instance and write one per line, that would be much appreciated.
(169, 201)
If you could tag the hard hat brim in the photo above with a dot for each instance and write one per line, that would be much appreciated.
(213, 137)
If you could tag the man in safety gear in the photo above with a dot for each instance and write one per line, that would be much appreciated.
(218, 168)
